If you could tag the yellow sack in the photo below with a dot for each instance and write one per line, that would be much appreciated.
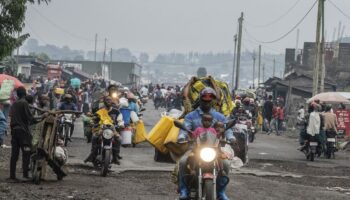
(104, 116)
(159, 132)
(260, 120)
(140, 134)
(59, 91)
(171, 139)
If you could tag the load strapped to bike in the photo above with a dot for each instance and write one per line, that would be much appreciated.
(164, 134)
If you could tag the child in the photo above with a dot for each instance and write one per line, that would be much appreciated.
(207, 121)
(220, 129)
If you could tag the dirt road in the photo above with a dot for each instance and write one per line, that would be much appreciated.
(276, 171)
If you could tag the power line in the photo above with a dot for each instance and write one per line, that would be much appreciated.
(257, 43)
(277, 19)
(340, 10)
(286, 34)
(61, 28)
(37, 35)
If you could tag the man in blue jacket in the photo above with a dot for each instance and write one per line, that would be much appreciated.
(192, 121)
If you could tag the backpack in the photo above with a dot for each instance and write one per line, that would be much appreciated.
(158, 94)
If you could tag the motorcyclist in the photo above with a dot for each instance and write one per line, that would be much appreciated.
(116, 117)
(68, 104)
(193, 121)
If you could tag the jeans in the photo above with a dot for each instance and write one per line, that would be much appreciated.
(20, 141)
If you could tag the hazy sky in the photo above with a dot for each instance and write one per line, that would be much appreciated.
(177, 25)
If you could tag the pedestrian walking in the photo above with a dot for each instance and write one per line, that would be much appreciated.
(267, 113)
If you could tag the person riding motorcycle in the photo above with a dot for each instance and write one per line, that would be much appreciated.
(68, 104)
(110, 113)
(193, 121)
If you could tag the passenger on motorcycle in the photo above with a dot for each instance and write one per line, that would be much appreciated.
(192, 122)
(116, 117)
(313, 125)
(132, 103)
(68, 104)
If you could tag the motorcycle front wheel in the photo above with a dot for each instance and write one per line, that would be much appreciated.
(251, 137)
(106, 163)
(36, 173)
(208, 190)
(66, 134)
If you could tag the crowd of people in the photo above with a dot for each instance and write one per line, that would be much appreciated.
(18, 114)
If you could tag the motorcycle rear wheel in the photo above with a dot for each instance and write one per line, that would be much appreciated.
(208, 190)
(106, 163)
(312, 157)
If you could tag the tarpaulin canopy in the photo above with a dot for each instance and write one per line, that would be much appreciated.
(8, 77)
(329, 97)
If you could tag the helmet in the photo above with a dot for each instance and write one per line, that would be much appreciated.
(207, 94)
(130, 95)
(68, 96)
(246, 100)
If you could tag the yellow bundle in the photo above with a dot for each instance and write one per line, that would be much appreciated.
(159, 133)
(140, 133)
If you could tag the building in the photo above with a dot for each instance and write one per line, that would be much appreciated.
(337, 61)
(126, 73)
(30, 67)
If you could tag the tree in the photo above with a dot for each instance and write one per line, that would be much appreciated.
(12, 15)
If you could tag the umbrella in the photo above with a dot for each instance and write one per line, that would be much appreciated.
(7, 77)
(329, 97)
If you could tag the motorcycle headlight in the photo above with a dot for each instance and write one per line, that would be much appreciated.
(114, 95)
(208, 154)
(107, 134)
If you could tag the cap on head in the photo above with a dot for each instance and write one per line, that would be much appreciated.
(207, 94)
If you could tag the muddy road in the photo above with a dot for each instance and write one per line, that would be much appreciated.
(276, 171)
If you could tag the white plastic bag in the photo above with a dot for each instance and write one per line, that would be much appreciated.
(61, 154)
(134, 117)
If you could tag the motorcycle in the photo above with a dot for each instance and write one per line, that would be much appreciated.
(311, 149)
(144, 99)
(241, 132)
(203, 164)
(65, 124)
(331, 144)
(104, 151)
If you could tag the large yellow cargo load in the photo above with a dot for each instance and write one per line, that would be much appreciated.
(140, 133)
(159, 133)
(193, 88)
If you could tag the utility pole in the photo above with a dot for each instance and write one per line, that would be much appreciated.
(234, 60)
(297, 46)
(259, 65)
(240, 20)
(104, 51)
(110, 65)
(263, 79)
(274, 68)
(254, 59)
(317, 67)
(95, 45)
(322, 53)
